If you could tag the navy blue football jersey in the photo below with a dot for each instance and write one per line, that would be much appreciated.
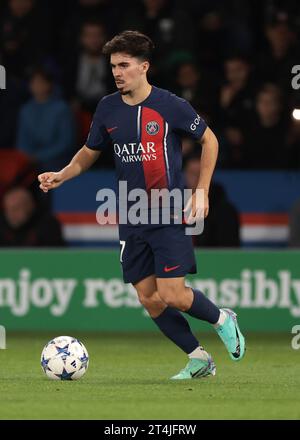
(146, 138)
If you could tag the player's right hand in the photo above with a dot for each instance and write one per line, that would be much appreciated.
(50, 180)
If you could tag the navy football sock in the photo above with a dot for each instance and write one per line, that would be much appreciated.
(202, 308)
(175, 327)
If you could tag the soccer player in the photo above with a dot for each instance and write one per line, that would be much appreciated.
(144, 124)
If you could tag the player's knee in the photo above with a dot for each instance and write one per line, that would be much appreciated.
(146, 299)
(170, 297)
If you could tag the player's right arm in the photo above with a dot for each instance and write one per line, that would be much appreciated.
(98, 139)
(81, 162)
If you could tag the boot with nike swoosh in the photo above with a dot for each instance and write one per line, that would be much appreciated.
(231, 335)
(197, 368)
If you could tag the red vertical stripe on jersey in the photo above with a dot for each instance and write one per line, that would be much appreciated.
(155, 171)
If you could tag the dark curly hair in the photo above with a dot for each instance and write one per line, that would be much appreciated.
(132, 43)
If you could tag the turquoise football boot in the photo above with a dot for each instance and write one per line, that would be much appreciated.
(197, 368)
(232, 337)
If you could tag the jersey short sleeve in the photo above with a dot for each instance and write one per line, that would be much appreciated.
(185, 118)
(98, 138)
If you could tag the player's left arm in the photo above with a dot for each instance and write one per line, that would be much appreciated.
(185, 119)
(210, 148)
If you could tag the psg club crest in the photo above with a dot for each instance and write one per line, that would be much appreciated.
(152, 127)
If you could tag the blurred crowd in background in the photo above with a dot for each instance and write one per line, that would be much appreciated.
(231, 59)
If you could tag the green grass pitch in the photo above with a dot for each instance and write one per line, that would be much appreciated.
(128, 378)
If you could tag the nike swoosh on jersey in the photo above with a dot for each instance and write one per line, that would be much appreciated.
(109, 130)
(168, 269)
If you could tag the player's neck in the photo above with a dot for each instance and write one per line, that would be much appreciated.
(139, 95)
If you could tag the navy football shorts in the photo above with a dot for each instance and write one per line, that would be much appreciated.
(161, 250)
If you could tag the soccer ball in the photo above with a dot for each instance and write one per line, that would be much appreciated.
(64, 358)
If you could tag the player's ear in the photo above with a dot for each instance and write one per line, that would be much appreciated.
(145, 66)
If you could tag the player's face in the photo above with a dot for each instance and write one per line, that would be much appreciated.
(129, 72)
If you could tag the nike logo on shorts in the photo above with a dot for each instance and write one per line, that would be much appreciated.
(168, 269)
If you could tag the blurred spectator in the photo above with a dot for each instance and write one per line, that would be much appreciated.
(211, 33)
(82, 11)
(241, 18)
(281, 53)
(236, 95)
(23, 224)
(221, 226)
(25, 36)
(11, 100)
(16, 169)
(46, 128)
(236, 104)
(171, 29)
(222, 26)
(87, 75)
(198, 87)
(264, 136)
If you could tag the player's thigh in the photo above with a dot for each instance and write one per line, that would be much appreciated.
(136, 257)
(173, 251)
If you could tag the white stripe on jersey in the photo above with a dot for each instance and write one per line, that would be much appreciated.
(139, 122)
(165, 151)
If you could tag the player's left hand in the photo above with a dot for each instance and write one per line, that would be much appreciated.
(197, 207)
